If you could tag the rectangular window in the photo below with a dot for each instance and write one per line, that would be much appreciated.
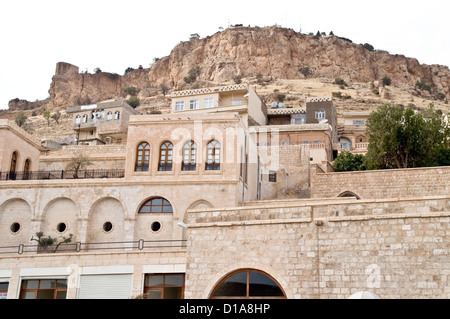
(193, 104)
(164, 286)
(298, 119)
(272, 177)
(3, 290)
(284, 143)
(209, 102)
(320, 115)
(236, 101)
(359, 123)
(44, 289)
(179, 106)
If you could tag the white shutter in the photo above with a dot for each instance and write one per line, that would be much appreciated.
(105, 286)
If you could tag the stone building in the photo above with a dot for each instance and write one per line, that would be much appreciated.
(196, 205)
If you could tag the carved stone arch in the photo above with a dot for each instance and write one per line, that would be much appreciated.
(223, 273)
(349, 194)
(15, 222)
(200, 204)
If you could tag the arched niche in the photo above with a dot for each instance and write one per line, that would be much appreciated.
(15, 222)
(60, 219)
(106, 221)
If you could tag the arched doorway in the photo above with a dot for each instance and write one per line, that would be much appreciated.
(248, 284)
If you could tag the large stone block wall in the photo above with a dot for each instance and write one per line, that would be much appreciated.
(326, 249)
(382, 183)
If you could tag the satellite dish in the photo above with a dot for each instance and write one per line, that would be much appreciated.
(323, 121)
(280, 104)
(274, 104)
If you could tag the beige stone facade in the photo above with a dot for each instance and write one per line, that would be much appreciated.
(201, 197)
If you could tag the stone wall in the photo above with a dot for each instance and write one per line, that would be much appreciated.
(326, 248)
(382, 183)
(111, 156)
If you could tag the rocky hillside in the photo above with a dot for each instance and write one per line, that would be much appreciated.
(285, 54)
(274, 60)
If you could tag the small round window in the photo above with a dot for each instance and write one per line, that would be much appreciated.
(15, 227)
(61, 228)
(107, 227)
(155, 226)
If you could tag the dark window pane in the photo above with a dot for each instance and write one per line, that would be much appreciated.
(263, 286)
(30, 284)
(29, 295)
(235, 286)
(172, 293)
(174, 280)
(61, 283)
(61, 294)
(153, 294)
(4, 286)
(45, 293)
(47, 284)
(154, 281)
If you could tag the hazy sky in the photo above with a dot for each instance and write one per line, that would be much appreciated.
(114, 35)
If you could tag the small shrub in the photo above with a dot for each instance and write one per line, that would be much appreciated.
(192, 75)
(440, 96)
(340, 81)
(133, 101)
(422, 85)
(237, 79)
(386, 81)
(369, 47)
(281, 97)
(97, 70)
(128, 70)
(306, 71)
(131, 90)
(20, 119)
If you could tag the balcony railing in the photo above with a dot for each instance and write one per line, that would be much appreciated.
(63, 174)
(89, 247)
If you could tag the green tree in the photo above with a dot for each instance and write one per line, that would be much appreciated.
(78, 162)
(134, 101)
(192, 75)
(56, 116)
(46, 114)
(402, 138)
(20, 119)
(348, 162)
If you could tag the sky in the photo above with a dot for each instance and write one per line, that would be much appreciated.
(113, 35)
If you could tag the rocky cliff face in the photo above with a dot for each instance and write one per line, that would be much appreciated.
(69, 87)
(285, 54)
(272, 52)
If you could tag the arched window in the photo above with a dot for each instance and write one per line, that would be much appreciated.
(189, 152)
(213, 156)
(26, 169)
(109, 116)
(117, 115)
(13, 165)
(248, 283)
(156, 205)
(165, 157)
(78, 119)
(142, 157)
(85, 118)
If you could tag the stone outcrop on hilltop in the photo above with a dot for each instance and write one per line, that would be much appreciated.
(285, 54)
(271, 52)
(69, 87)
